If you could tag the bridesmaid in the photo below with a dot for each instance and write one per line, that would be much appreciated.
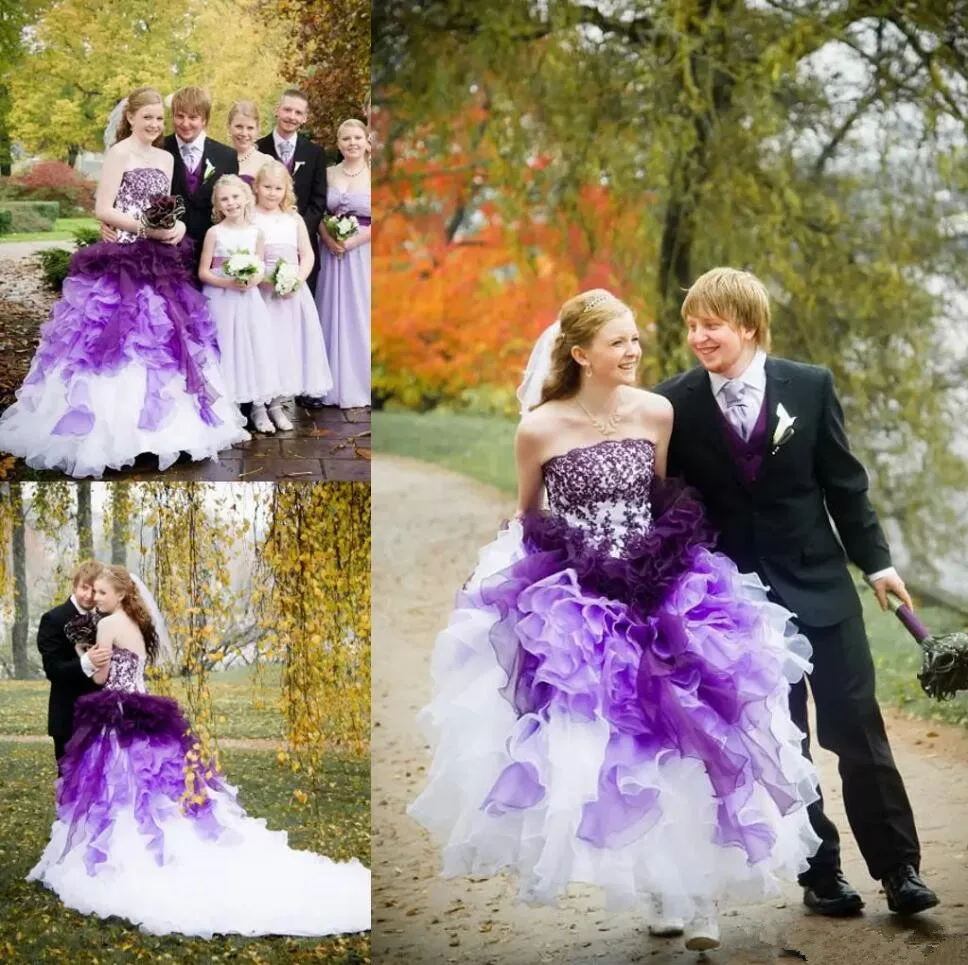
(343, 289)
(244, 131)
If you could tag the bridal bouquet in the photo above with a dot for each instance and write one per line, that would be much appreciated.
(284, 278)
(242, 265)
(341, 226)
(163, 211)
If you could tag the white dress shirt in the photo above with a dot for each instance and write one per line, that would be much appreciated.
(754, 377)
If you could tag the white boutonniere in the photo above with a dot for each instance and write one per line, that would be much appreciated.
(209, 171)
(784, 427)
(297, 166)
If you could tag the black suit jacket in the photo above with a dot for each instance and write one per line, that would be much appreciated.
(779, 526)
(198, 206)
(62, 666)
(309, 181)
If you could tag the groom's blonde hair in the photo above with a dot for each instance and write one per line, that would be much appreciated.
(87, 572)
(737, 297)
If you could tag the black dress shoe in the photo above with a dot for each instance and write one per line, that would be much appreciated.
(828, 893)
(906, 893)
(310, 402)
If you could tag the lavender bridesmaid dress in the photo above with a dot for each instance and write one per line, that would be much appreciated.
(128, 362)
(343, 300)
(610, 703)
(126, 841)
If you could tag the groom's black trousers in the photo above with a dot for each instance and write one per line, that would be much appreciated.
(849, 724)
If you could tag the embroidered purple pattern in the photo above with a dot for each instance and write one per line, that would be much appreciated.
(603, 490)
(138, 187)
(126, 672)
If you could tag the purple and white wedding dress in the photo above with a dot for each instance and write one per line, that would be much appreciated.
(128, 362)
(124, 843)
(610, 703)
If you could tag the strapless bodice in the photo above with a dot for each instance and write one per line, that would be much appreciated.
(126, 672)
(138, 187)
(348, 202)
(604, 490)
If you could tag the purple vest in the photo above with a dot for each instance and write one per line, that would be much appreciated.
(747, 454)
(194, 180)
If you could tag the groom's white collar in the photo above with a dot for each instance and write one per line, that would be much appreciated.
(754, 375)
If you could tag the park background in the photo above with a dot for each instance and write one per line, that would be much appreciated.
(265, 589)
(65, 64)
(529, 151)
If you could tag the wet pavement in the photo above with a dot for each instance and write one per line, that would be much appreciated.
(325, 444)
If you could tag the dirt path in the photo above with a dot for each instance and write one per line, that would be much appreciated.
(427, 526)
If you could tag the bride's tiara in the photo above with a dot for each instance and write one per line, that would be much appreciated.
(596, 300)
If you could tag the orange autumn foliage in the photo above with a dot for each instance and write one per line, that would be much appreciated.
(457, 310)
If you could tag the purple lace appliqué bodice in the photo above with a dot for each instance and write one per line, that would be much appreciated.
(138, 187)
(126, 672)
(604, 490)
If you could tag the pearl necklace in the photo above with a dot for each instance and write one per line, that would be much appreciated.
(355, 174)
(245, 157)
(607, 426)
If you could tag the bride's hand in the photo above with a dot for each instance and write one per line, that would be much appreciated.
(167, 236)
(181, 229)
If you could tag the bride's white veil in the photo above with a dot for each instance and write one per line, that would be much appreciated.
(166, 652)
(538, 368)
(111, 131)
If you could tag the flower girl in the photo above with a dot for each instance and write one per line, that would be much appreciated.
(300, 351)
(231, 268)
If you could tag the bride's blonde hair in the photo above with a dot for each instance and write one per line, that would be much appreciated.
(132, 604)
(580, 320)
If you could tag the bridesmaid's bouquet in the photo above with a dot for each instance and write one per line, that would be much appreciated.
(163, 211)
(340, 227)
(242, 265)
(284, 278)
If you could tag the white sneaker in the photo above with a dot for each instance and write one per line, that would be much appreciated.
(279, 417)
(664, 926)
(261, 421)
(702, 933)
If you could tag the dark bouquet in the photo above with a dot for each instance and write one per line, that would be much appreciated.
(163, 212)
(944, 666)
(82, 630)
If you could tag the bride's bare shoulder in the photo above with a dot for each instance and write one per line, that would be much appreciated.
(540, 422)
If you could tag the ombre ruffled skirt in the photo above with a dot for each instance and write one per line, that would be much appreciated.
(127, 364)
(622, 723)
(126, 843)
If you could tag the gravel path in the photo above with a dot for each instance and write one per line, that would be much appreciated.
(427, 527)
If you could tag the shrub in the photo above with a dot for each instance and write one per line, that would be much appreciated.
(6, 219)
(31, 215)
(57, 181)
(56, 261)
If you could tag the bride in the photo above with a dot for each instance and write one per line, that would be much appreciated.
(128, 841)
(610, 695)
(128, 362)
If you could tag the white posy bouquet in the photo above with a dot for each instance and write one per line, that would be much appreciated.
(242, 265)
(341, 226)
(284, 278)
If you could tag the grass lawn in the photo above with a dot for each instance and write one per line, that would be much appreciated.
(243, 708)
(63, 231)
(35, 927)
(481, 447)
(477, 446)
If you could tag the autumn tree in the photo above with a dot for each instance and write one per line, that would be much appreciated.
(734, 134)
(84, 57)
(317, 620)
(85, 531)
(21, 619)
(328, 58)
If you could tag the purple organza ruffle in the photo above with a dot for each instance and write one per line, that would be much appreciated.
(658, 644)
(126, 302)
(129, 750)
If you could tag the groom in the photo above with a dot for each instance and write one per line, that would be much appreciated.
(68, 672)
(768, 487)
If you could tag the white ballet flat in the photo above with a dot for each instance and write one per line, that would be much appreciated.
(702, 934)
(664, 926)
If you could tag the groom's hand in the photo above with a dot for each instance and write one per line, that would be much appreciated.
(891, 583)
(99, 656)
